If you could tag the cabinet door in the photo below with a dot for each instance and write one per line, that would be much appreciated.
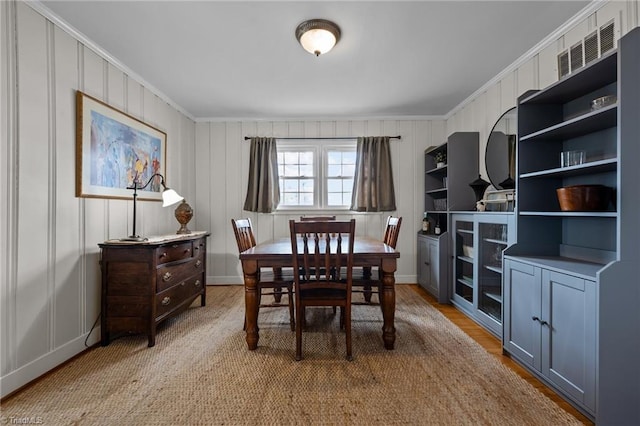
(523, 303)
(464, 252)
(433, 269)
(569, 335)
(423, 262)
(492, 240)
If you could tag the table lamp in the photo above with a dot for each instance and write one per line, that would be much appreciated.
(169, 198)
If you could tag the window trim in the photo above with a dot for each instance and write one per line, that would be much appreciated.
(320, 149)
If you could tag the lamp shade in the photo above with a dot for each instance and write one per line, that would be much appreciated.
(318, 36)
(170, 197)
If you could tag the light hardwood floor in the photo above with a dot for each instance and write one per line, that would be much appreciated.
(494, 347)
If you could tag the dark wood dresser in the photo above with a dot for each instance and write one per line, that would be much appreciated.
(144, 283)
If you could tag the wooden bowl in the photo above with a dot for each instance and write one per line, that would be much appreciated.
(584, 198)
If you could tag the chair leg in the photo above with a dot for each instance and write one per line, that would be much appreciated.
(366, 275)
(347, 326)
(292, 321)
(277, 294)
(299, 323)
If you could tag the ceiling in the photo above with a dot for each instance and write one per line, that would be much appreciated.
(240, 59)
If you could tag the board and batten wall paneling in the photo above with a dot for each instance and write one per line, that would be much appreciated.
(50, 292)
(226, 171)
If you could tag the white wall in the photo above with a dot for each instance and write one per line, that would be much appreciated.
(222, 173)
(50, 293)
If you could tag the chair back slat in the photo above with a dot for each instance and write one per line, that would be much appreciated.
(392, 230)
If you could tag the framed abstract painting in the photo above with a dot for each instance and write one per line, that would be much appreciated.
(113, 149)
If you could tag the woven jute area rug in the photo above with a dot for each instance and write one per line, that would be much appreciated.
(201, 373)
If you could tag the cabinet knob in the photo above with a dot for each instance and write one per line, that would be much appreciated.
(166, 277)
(166, 301)
(198, 263)
(197, 283)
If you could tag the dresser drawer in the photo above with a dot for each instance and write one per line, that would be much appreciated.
(173, 252)
(170, 275)
(174, 296)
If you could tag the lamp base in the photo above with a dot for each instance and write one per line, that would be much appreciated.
(134, 238)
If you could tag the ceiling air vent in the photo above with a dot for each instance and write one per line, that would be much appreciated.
(563, 64)
(576, 56)
(591, 47)
(606, 37)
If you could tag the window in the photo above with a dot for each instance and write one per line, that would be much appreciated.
(316, 175)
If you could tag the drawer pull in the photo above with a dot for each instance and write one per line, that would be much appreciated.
(166, 301)
(174, 246)
(186, 251)
(198, 263)
(166, 277)
(163, 255)
(197, 283)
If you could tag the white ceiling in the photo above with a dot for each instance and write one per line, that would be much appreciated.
(240, 59)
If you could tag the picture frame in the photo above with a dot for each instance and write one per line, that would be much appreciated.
(112, 149)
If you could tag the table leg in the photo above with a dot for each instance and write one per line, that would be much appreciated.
(250, 268)
(388, 302)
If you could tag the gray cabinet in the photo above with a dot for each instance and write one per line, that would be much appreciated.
(432, 266)
(447, 187)
(588, 261)
(479, 240)
(550, 326)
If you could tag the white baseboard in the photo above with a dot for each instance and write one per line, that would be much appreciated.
(36, 368)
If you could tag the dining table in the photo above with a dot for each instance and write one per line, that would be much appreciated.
(276, 253)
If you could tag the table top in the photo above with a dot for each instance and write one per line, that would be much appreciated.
(280, 247)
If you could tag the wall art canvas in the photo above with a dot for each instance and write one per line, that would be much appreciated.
(114, 148)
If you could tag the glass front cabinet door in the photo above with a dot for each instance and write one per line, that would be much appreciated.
(463, 261)
(479, 240)
(493, 237)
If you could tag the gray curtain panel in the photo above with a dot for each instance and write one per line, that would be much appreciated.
(263, 192)
(373, 181)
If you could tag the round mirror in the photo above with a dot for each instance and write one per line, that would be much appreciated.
(500, 154)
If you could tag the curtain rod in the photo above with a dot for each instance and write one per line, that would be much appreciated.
(246, 138)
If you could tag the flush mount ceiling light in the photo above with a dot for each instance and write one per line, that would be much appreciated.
(318, 36)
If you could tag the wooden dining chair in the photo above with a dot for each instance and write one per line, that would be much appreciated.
(245, 239)
(363, 282)
(315, 250)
